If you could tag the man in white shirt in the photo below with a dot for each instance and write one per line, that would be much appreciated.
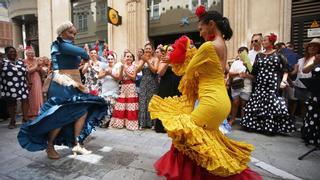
(255, 47)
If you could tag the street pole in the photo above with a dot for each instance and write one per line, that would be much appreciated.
(24, 36)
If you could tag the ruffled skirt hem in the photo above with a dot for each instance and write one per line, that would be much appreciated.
(62, 113)
(209, 149)
(174, 165)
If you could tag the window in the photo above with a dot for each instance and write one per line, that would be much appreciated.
(194, 4)
(156, 12)
(205, 3)
(178, 7)
(103, 13)
(90, 18)
(83, 22)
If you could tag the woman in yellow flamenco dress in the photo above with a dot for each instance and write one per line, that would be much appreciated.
(199, 150)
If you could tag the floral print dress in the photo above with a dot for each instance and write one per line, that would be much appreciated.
(91, 78)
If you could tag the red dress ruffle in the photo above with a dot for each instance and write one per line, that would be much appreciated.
(174, 165)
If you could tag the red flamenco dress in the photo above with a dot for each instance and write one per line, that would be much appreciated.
(125, 113)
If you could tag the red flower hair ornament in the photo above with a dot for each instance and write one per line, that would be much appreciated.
(272, 37)
(110, 53)
(201, 10)
(29, 48)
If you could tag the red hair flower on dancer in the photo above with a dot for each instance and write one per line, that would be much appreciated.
(200, 11)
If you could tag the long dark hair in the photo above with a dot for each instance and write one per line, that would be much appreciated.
(222, 23)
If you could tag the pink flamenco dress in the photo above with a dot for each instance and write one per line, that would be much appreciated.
(35, 98)
(199, 150)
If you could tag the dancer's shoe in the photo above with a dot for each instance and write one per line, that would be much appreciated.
(80, 150)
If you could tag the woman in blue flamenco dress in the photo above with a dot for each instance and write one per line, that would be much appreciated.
(70, 114)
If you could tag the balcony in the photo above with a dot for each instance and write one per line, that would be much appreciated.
(18, 8)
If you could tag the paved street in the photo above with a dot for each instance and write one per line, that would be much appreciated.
(122, 154)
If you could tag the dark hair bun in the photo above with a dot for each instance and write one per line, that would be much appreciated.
(222, 23)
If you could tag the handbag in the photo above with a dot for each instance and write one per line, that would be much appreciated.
(237, 84)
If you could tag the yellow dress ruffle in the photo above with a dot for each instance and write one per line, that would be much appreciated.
(209, 148)
(194, 132)
(180, 69)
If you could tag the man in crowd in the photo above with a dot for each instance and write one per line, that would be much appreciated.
(255, 46)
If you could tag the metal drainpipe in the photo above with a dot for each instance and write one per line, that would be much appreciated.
(52, 30)
(24, 37)
(148, 22)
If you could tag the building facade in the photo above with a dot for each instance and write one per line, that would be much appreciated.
(23, 15)
(35, 22)
(5, 28)
(132, 33)
(289, 19)
(161, 21)
(168, 20)
(303, 14)
(91, 21)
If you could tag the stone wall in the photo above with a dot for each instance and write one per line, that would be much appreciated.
(256, 16)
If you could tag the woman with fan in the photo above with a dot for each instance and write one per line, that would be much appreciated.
(266, 110)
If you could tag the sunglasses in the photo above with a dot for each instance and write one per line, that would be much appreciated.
(110, 58)
(257, 34)
(254, 41)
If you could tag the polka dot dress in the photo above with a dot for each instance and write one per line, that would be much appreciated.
(265, 110)
(13, 82)
(311, 125)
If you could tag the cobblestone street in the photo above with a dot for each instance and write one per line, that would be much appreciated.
(122, 154)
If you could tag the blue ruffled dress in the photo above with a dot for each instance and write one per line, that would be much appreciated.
(65, 105)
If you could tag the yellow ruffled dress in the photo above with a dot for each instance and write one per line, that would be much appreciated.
(195, 131)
